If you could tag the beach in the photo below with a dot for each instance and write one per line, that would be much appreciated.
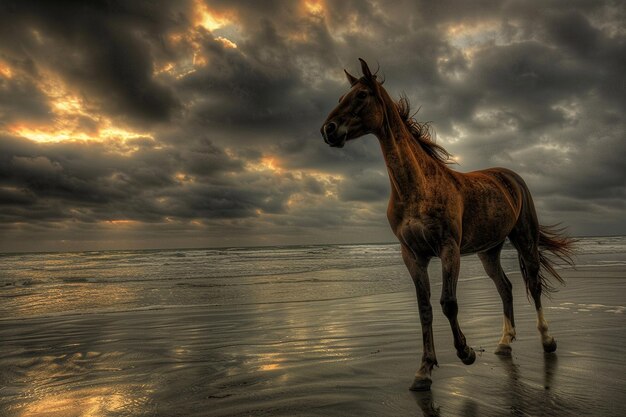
(321, 331)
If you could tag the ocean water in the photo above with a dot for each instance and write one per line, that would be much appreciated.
(299, 330)
(42, 284)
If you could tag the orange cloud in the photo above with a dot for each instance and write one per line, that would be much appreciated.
(209, 19)
(226, 42)
(267, 163)
(315, 7)
(70, 113)
(5, 70)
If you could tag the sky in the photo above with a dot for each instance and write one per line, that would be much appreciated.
(149, 124)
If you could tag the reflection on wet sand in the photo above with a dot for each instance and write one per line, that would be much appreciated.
(88, 402)
(514, 386)
(326, 336)
(550, 362)
(426, 403)
(524, 397)
(515, 395)
(74, 384)
(328, 358)
(269, 362)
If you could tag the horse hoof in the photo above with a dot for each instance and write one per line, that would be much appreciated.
(421, 384)
(503, 350)
(469, 358)
(550, 346)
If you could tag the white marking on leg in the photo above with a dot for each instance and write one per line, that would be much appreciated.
(542, 326)
(421, 374)
(508, 332)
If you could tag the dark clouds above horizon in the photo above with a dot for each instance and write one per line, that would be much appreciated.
(163, 124)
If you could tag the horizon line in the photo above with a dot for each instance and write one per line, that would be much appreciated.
(26, 252)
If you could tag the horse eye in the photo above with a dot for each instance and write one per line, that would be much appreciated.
(361, 94)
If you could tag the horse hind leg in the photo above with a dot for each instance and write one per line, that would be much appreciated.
(530, 270)
(491, 262)
(529, 259)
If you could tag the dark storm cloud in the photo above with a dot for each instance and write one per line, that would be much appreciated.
(100, 184)
(261, 87)
(367, 186)
(91, 183)
(537, 87)
(105, 49)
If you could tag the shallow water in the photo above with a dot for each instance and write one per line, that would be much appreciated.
(333, 331)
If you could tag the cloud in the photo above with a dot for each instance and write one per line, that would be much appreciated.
(103, 50)
(366, 186)
(199, 121)
(21, 100)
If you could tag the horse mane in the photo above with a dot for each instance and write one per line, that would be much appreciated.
(422, 133)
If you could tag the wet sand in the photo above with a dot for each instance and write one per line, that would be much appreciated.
(351, 356)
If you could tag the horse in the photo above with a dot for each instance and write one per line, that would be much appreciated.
(435, 211)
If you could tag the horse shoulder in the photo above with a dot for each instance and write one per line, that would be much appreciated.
(426, 226)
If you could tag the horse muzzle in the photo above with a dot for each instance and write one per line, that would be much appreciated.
(332, 135)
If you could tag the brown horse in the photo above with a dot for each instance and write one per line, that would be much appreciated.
(437, 212)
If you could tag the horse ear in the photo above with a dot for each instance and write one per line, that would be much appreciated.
(366, 69)
(351, 78)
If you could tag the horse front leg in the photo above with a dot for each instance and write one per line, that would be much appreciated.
(418, 268)
(450, 263)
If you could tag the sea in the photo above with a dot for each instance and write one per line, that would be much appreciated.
(61, 283)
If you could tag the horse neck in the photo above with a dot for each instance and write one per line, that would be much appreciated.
(408, 165)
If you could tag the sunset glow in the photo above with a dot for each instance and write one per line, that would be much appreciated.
(267, 163)
(226, 42)
(183, 177)
(314, 6)
(59, 134)
(70, 112)
(5, 70)
(122, 222)
(271, 164)
(208, 19)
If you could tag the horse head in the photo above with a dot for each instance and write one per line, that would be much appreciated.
(359, 112)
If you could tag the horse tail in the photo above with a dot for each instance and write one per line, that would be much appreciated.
(553, 242)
